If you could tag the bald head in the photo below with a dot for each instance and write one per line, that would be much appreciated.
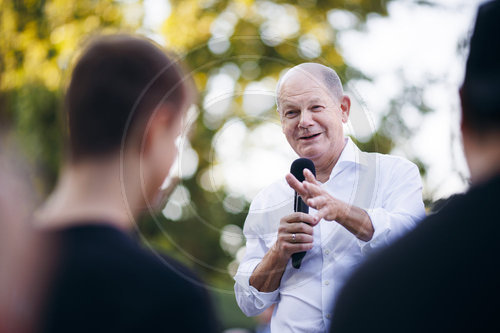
(325, 76)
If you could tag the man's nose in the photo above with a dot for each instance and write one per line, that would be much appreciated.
(306, 119)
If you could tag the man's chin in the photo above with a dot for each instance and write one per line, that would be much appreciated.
(310, 155)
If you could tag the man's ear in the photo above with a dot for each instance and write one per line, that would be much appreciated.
(345, 106)
(157, 124)
(463, 122)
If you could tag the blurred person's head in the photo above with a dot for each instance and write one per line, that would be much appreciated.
(125, 94)
(480, 96)
(124, 107)
(126, 99)
(313, 108)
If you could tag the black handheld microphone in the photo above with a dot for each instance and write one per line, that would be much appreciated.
(297, 170)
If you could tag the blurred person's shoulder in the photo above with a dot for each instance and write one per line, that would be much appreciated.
(441, 271)
(103, 270)
(102, 250)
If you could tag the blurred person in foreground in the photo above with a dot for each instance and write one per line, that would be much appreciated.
(444, 276)
(358, 201)
(124, 107)
(24, 255)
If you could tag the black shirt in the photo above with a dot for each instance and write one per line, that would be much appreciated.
(442, 277)
(105, 282)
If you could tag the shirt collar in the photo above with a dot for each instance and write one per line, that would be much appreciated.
(349, 155)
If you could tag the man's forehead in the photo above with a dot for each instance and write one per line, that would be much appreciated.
(300, 81)
(288, 100)
(295, 89)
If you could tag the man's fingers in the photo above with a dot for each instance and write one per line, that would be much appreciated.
(294, 183)
(317, 202)
(307, 189)
(321, 214)
(297, 247)
(299, 217)
(312, 188)
(300, 228)
(295, 232)
(295, 228)
(299, 238)
(297, 186)
(310, 177)
(302, 242)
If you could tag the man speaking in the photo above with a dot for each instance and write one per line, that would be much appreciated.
(357, 202)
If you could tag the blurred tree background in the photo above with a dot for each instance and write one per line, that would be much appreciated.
(243, 45)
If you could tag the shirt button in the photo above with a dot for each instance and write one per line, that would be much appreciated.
(327, 252)
(328, 316)
(327, 282)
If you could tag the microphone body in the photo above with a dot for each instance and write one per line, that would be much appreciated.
(297, 170)
(299, 206)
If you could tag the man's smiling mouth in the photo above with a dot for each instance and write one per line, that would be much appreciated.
(309, 137)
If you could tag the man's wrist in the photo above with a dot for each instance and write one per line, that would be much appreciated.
(342, 211)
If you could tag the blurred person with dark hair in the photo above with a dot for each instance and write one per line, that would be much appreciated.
(443, 276)
(124, 106)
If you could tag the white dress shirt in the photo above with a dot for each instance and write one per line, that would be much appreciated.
(389, 188)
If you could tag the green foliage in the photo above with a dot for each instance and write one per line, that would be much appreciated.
(38, 40)
(37, 118)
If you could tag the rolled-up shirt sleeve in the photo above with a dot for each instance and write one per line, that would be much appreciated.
(402, 207)
(251, 301)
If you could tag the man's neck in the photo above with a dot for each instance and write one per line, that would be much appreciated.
(88, 192)
(485, 167)
(483, 156)
(324, 168)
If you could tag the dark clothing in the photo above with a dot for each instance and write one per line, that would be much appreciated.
(105, 282)
(442, 277)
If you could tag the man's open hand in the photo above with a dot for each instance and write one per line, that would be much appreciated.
(318, 198)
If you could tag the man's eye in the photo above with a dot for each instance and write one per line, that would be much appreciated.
(317, 107)
(291, 113)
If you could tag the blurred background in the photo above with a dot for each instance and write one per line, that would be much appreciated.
(401, 61)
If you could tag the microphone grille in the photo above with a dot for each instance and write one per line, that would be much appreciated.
(298, 166)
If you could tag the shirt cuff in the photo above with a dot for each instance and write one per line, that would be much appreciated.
(264, 300)
(381, 229)
(252, 301)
